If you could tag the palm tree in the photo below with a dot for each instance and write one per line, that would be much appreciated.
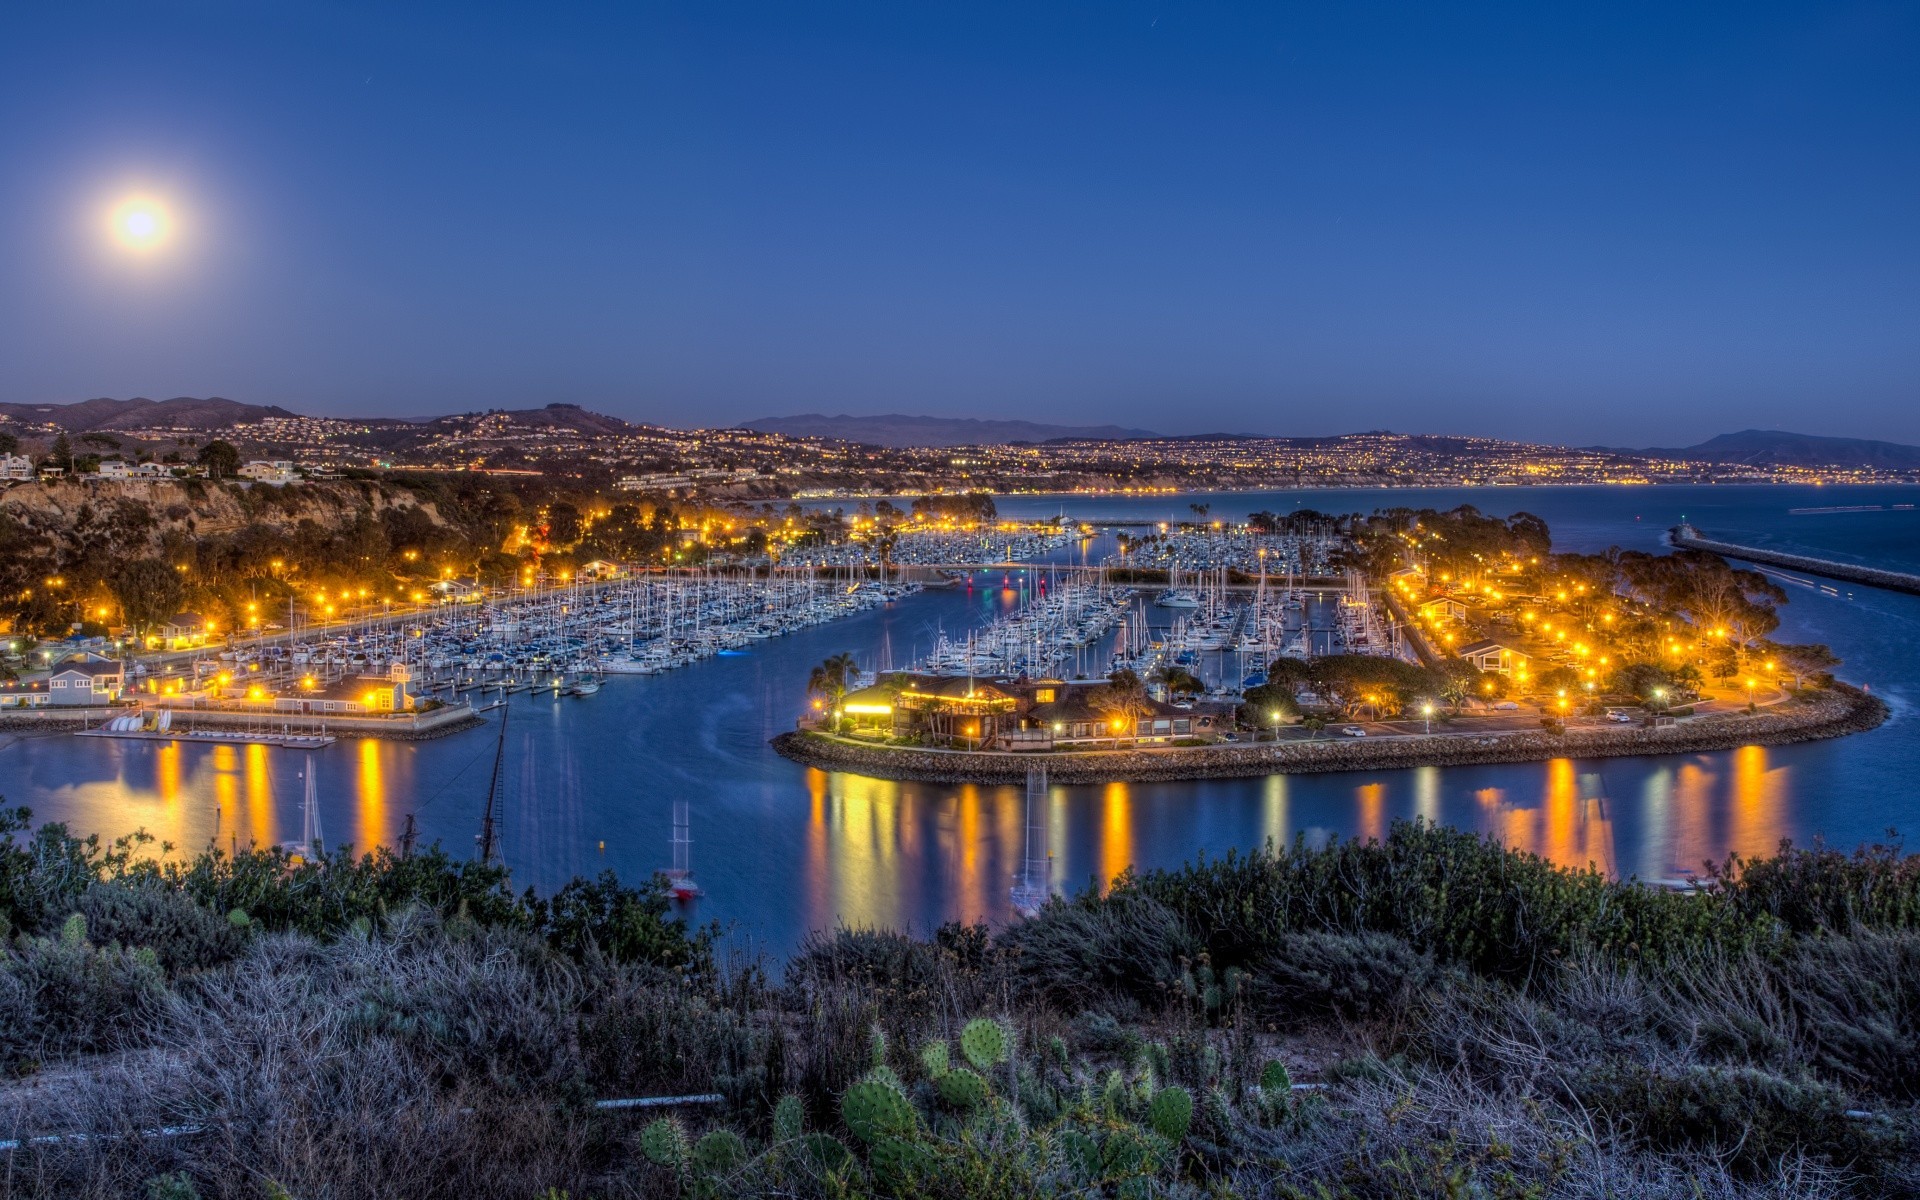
(831, 679)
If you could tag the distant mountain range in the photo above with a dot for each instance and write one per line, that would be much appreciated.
(1752, 447)
(897, 430)
(181, 412)
(1774, 448)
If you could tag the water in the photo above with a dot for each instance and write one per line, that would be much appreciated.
(589, 784)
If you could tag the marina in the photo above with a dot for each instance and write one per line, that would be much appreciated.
(589, 784)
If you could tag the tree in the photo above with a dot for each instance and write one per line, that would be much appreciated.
(149, 592)
(9, 444)
(62, 453)
(563, 524)
(831, 679)
(220, 459)
(1121, 700)
(1178, 680)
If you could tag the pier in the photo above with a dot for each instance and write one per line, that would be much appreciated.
(1686, 537)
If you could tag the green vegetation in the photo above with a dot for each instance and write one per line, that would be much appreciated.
(1461, 1021)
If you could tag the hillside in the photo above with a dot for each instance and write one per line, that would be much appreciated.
(897, 430)
(103, 414)
(1772, 447)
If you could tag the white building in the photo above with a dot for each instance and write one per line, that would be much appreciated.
(276, 472)
(115, 468)
(16, 468)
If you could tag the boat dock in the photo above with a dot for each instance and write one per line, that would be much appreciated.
(226, 737)
(1686, 537)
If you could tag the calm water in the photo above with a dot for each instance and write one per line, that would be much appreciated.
(782, 849)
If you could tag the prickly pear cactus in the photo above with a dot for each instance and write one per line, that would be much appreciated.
(665, 1142)
(961, 1088)
(1057, 1047)
(1274, 1078)
(984, 1043)
(933, 1057)
(874, 1110)
(789, 1118)
(896, 1162)
(879, 1046)
(1081, 1155)
(1171, 1113)
(822, 1154)
(719, 1152)
(885, 1075)
(73, 931)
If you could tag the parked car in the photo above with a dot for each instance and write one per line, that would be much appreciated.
(1354, 731)
(1619, 718)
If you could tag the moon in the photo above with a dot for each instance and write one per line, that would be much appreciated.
(141, 224)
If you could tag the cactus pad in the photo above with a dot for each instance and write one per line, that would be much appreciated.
(1171, 1113)
(896, 1161)
(789, 1118)
(665, 1143)
(962, 1088)
(1274, 1078)
(933, 1056)
(719, 1152)
(984, 1043)
(874, 1110)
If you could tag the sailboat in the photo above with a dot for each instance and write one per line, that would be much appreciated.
(1034, 884)
(1175, 596)
(680, 884)
(311, 843)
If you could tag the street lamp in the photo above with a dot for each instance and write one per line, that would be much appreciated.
(1426, 710)
(1274, 716)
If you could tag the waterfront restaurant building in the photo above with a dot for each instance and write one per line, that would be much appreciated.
(1067, 715)
(951, 711)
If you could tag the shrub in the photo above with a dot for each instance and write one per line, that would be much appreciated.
(1747, 1117)
(183, 935)
(1125, 945)
(1347, 975)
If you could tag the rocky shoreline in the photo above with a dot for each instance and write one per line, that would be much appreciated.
(1812, 716)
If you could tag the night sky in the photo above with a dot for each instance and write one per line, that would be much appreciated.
(1629, 224)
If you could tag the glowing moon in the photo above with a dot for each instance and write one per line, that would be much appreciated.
(141, 224)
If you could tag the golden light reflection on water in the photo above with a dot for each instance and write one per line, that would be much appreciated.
(373, 795)
(966, 855)
(1371, 812)
(167, 774)
(816, 868)
(1116, 831)
(1571, 824)
(1759, 802)
(1276, 824)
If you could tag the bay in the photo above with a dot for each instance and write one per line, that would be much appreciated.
(782, 849)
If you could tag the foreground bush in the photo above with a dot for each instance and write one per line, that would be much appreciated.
(1461, 1020)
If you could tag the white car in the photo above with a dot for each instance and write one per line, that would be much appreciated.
(1354, 731)
(1619, 718)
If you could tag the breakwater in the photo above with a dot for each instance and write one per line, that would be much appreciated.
(1810, 716)
(1686, 537)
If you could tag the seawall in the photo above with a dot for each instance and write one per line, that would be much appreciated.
(1686, 537)
(1812, 716)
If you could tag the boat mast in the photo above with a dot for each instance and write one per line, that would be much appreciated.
(489, 842)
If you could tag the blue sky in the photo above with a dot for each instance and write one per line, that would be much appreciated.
(1633, 224)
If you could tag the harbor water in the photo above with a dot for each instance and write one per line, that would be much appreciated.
(589, 783)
